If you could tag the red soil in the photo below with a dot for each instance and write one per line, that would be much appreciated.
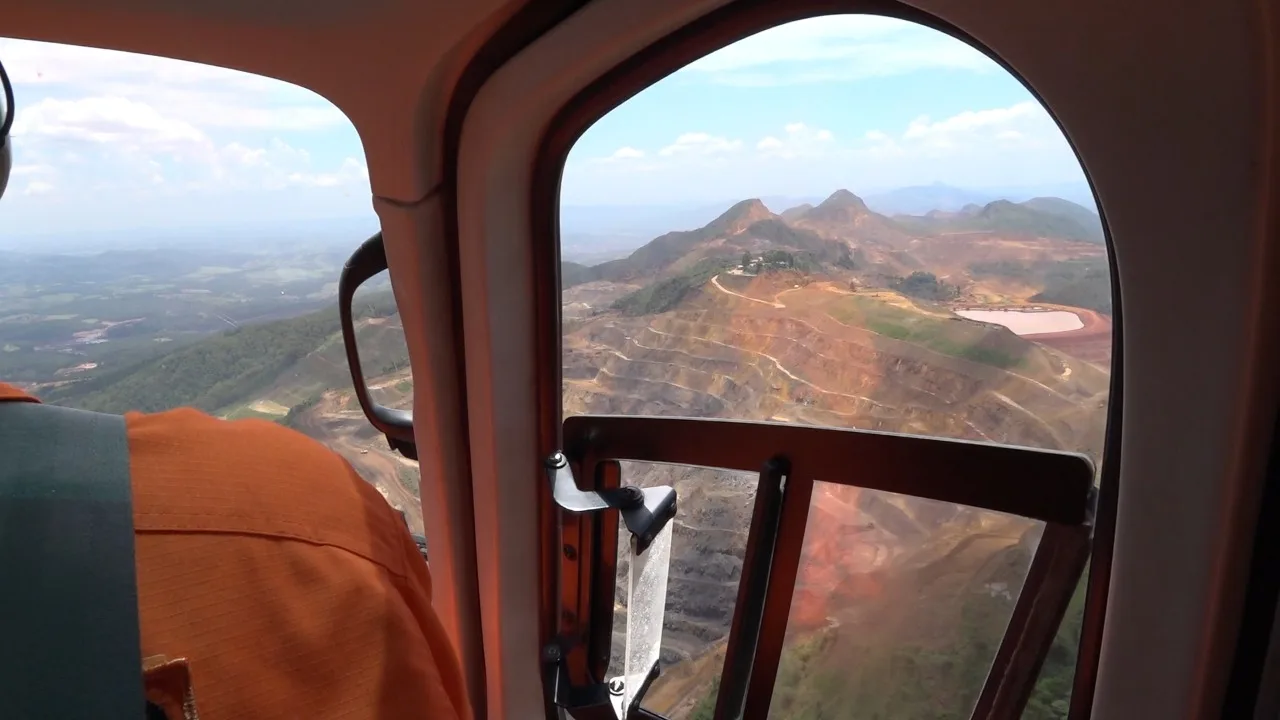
(1091, 343)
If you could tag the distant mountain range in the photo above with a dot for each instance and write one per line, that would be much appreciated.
(921, 199)
(593, 233)
(842, 233)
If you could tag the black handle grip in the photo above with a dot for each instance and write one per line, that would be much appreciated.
(368, 260)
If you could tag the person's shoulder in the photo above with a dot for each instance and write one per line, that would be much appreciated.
(195, 472)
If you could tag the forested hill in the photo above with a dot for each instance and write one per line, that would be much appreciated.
(217, 371)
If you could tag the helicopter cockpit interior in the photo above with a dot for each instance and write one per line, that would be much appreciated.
(687, 442)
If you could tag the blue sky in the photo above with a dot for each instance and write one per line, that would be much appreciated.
(862, 103)
(107, 140)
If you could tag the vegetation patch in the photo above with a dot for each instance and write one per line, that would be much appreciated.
(1084, 283)
(926, 286)
(971, 341)
(293, 417)
(665, 295)
(410, 479)
(215, 372)
(846, 672)
(1080, 282)
(245, 412)
(1002, 269)
(572, 273)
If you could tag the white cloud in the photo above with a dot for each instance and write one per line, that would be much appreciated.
(799, 140)
(103, 124)
(201, 95)
(279, 165)
(351, 171)
(20, 170)
(838, 48)
(38, 187)
(625, 154)
(1018, 145)
(1025, 126)
(123, 124)
(700, 144)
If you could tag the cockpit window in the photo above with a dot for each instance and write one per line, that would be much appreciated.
(851, 222)
(173, 236)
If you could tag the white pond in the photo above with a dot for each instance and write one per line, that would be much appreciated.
(1027, 322)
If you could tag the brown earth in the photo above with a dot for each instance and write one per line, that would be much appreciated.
(1091, 343)
(798, 349)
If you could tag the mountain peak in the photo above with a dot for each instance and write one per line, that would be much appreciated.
(844, 199)
(998, 206)
(841, 206)
(740, 216)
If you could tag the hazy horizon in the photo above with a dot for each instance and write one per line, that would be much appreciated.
(620, 221)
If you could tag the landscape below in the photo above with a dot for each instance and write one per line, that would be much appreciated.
(828, 314)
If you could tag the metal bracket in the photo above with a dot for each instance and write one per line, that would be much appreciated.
(645, 511)
(602, 701)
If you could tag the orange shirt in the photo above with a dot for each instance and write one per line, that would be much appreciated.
(286, 582)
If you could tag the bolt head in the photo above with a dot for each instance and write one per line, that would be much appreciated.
(633, 495)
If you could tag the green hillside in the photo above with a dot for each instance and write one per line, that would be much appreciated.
(572, 273)
(219, 371)
(665, 295)
(1082, 283)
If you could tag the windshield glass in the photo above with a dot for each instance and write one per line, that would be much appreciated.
(853, 222)
(173, 235)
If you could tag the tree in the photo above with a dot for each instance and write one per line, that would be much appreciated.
(746, 260)
(926, 285)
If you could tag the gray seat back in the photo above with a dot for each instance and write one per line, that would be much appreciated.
(69, 637)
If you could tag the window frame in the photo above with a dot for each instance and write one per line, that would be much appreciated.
(792, 460)
(710, 32)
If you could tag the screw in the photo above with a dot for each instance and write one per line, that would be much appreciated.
(556, 460)
(551, 653)
(616, 686)
(570, 553)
